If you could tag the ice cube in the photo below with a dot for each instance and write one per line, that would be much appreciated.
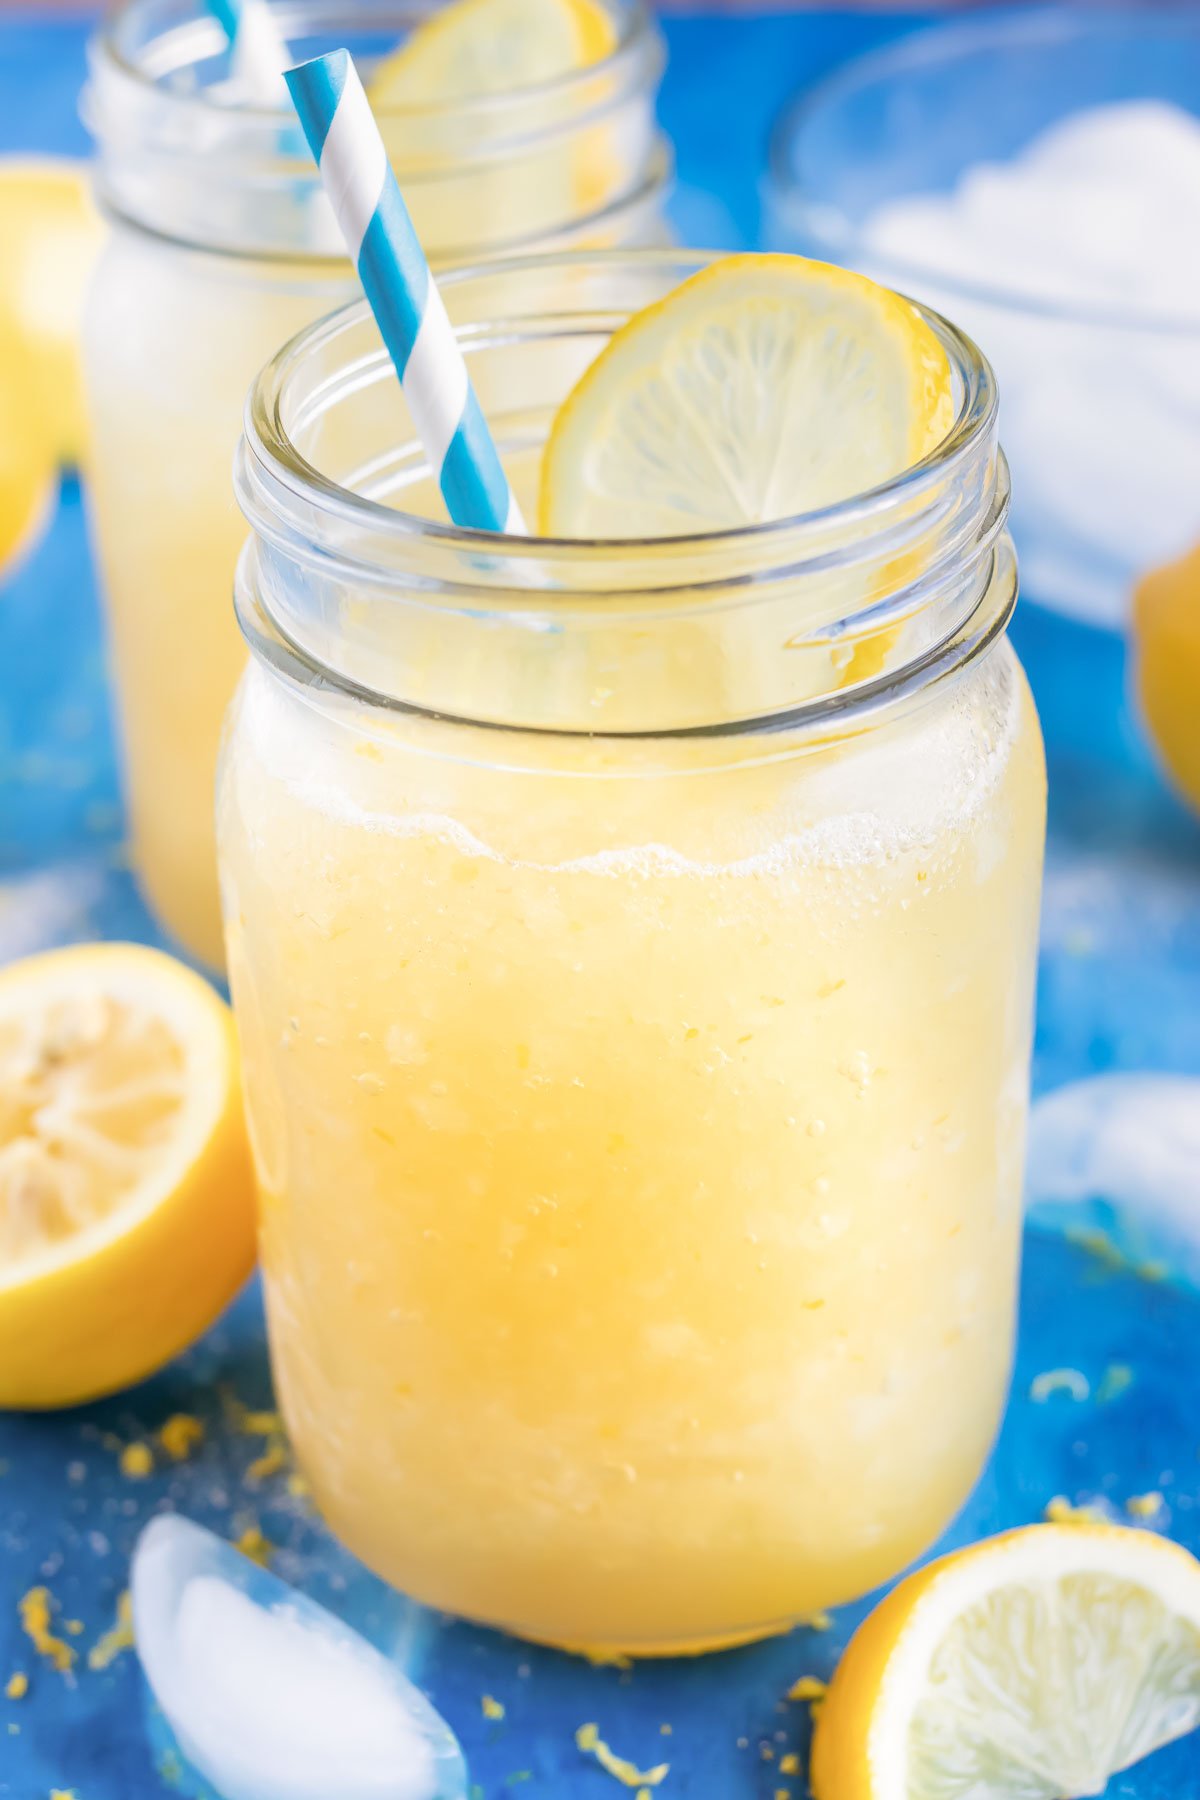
(269, 1696)
(1121, 1154)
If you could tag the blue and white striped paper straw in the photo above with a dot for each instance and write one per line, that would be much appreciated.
(260, 53)
(374, 221)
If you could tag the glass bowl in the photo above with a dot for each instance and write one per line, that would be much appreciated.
(1100, 400)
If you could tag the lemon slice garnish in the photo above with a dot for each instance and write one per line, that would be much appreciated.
(51, 233)
(126, 1197)
(762, 387)
(474, 48)
(1029, 1667)
(506, 175)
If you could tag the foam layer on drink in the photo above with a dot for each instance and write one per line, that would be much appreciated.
(626, 809)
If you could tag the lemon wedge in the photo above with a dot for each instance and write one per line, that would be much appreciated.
(474, 48)
(1166, 646)
(762, 387)
(126, 1195)
(51, 233)
(1030, 1667)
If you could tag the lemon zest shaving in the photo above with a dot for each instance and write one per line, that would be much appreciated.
(619, 1767)
(258, 1548)
(137, 1461)
(1117, 1378)
(260, 1424)
(491, 1709)
(17, 1685)
(1110, 1256)
(789, 1764)
(118, 1637)
(1061, 1512)
(181, 1434)
(1059, 1381)
(273, 1459)
(34, 1610)
(809, 1687)
(1144, 1506)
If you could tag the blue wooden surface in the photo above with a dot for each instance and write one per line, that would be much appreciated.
(1120, 989)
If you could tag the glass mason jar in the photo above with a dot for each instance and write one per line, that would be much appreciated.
(632, 947)
(223, 246)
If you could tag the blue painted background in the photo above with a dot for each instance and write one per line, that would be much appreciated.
(1120, 989)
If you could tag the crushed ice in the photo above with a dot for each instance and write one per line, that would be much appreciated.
(1098, 216)
(1120, 1154)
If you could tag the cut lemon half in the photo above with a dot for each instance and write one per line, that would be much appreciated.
(1166, 646)
(762, 387)
(1030, 1667)
(471, 49)
(51, 233)
(126, 1197)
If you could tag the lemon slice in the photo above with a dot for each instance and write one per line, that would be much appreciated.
(1030, 1667)
(51, 234)
(762, 387)
(474, 48)
(513, 175)
(126, 1198)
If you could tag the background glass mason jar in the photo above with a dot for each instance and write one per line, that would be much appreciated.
(633, 952)
(222, 247)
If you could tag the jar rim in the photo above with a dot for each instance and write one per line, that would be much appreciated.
(107, 45)
(269, 443)
(919, 564)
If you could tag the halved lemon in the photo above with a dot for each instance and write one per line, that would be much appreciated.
(126, 1195)
(1032, 1666)
(762, 387)
(51, 233)
(474, 48)
(1166, 648)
